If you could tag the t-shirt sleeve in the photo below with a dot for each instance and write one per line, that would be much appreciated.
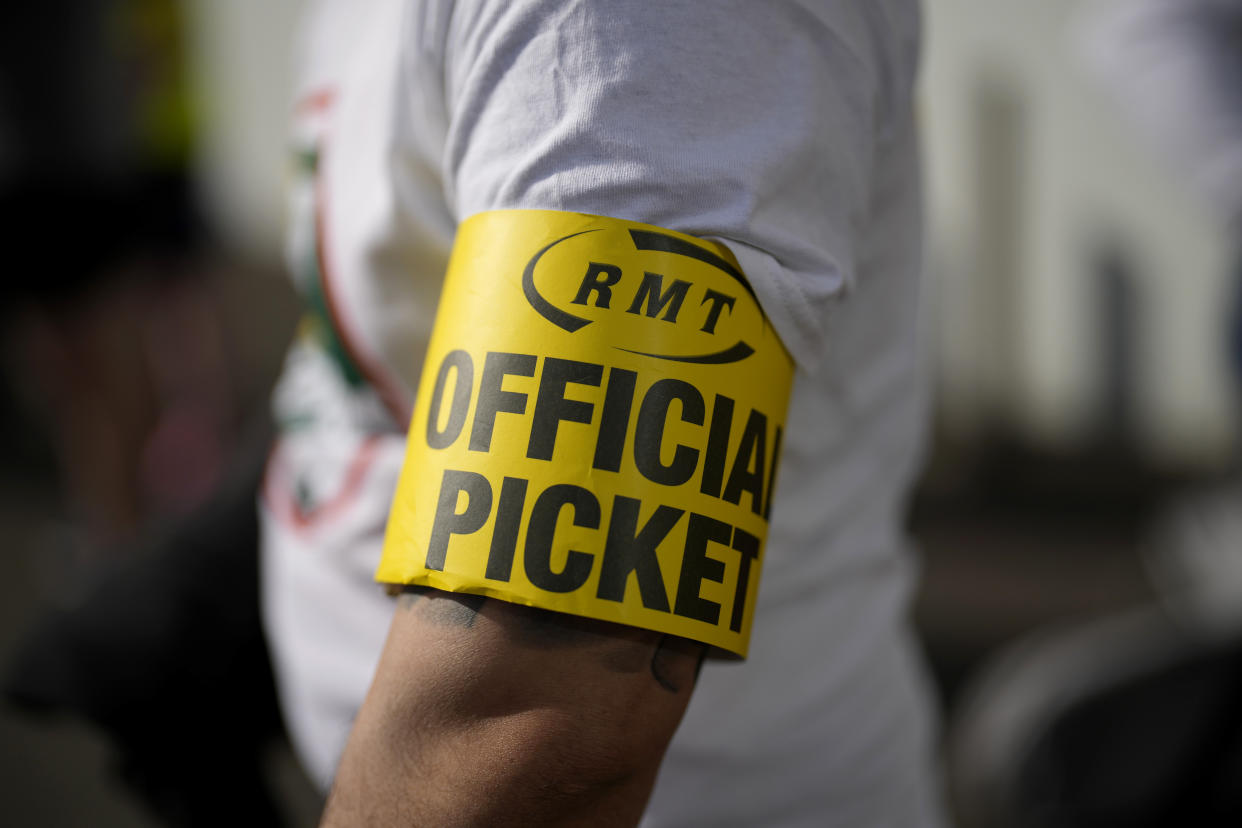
(1175, 67)
(750, 123)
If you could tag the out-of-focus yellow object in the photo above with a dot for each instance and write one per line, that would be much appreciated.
(150, 36)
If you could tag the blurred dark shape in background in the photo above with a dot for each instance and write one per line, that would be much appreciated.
(163, 654)
(109, 327)
(125, 395)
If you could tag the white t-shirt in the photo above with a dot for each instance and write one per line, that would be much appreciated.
(783, 130)
(1175, 66)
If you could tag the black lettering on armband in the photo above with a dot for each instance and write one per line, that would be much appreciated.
(630, 549)
(505, 535)
(650, 428)
(652, 293)
(599, 279)
(551, 406)
(697, 567)
(542, 529)
(719, 301)
(717, 445)
(493, 399)
(460, 363)
(750, 464)
(747, 546)
(614, 420)
(449, 521)
(776, 456)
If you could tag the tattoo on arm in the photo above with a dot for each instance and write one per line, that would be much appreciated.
(667, 650)
(449, 609)
(625, 647)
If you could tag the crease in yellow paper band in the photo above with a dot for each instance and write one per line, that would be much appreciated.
(597, 428)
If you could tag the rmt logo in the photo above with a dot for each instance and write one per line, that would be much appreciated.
(646, 294)
(650, 297)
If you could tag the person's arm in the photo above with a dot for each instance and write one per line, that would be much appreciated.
(484, 713)
(747, 123)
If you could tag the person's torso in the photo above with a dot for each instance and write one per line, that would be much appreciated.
(828, 712)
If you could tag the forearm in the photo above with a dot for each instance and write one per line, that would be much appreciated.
(492, 714)
(510, 770)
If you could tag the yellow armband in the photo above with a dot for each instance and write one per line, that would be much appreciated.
(597, 428)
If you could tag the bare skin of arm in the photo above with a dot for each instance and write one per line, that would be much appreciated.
(484, 713)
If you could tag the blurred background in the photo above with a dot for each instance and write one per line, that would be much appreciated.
(1079, 515)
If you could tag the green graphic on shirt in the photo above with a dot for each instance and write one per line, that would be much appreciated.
(320, 324)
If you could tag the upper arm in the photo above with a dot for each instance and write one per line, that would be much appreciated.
(489, 713)
(752, 123)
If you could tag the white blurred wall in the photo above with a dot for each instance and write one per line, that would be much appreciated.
(1017, 331)
(241, 53)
